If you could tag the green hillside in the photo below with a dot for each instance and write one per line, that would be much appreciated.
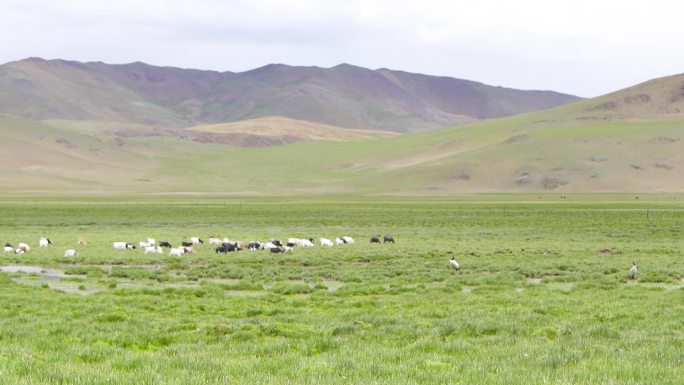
(634, 146)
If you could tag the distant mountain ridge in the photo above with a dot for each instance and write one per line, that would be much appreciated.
(344, 95)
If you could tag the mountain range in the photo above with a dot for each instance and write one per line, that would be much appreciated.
(344, 96)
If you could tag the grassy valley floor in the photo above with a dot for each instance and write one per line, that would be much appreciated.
(543, 296)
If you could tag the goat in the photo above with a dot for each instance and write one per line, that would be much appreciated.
(44, 242)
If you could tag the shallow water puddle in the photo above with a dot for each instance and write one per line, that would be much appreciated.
(660, 285)
(38, 271)
(70, 287)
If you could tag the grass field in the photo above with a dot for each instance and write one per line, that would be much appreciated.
(543, 296)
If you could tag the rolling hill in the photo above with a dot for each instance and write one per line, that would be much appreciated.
(626, 141)
(343, 96)
(277, 130)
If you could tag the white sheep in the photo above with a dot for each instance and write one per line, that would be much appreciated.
(306, 243)
(70, 253)
(339, 241)
(153, 250)
(325, 242)
(177, 252)
(347, 239)
(215, 241)
(44, 242)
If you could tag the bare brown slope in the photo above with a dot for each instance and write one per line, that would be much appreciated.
(282, 127)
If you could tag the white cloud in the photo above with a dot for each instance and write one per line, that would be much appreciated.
(582, 47)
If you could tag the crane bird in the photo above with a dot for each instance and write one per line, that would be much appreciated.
(454, 264)
(633, 271)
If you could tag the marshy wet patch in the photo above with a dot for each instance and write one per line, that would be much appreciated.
(561, 286)
(47, 273)
(659, 285)
(244, 293)
(59, 285)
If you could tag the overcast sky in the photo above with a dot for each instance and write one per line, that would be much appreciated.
(582, 47)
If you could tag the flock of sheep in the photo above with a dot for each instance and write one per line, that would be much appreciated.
(225, 245)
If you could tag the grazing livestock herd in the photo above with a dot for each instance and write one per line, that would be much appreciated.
(223, 245)
(226, 245)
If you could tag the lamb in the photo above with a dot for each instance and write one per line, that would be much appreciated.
(177, 252)
(325, 242)
(70, 253)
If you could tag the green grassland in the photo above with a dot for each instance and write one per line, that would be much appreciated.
(559, 150)
(543, 296)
